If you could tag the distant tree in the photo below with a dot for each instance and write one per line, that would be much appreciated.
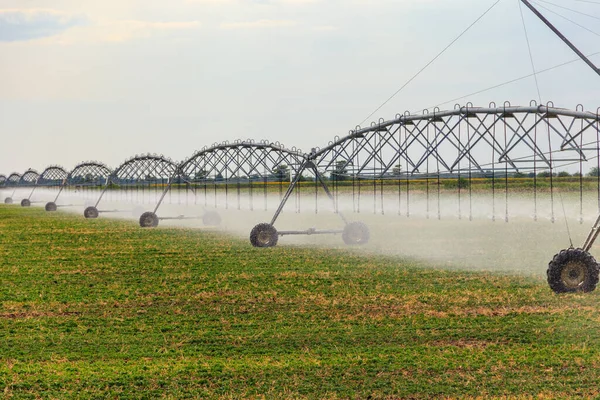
(544, 174)
(200, 175)
(519, 175)
(340, 172)
(594, 171)
(577, 174)
(282, 173)
(563, 174)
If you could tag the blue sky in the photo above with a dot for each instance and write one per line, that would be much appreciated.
(90, 80)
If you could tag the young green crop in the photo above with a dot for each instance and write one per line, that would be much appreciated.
(103, 309)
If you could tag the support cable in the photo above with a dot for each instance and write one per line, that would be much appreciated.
(568, 19)
(511, 81)
(537, 86)
(568, 9)
(430, 62)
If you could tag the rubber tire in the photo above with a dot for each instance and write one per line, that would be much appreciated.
(566, 259)
(51, 206)
(264, 235)
(91, 212)
(148, 220)
(8, 200)
(356, 233)
(25, 203)
(211, 218)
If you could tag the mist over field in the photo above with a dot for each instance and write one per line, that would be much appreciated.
(479, 232)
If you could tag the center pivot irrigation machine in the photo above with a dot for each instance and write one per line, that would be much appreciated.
(463, 144)
(136, 176)
(225, 167)
(88, 174)
(390, 167)
(11, 182)
(53, 176)
(27, 180)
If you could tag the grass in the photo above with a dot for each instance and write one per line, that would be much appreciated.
(103, 309)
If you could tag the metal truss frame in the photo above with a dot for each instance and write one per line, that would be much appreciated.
(242, 161)
(137, 170)
(473, 141)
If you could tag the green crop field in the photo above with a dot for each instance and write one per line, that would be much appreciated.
(104, 309)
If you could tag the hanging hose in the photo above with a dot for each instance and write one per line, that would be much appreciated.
(598, 154)
(265, 190)
(239, 199)
(407, 181)
(505, 170)
(317, 191)
(581, 174)
(535, 199)
(458, 183)
(353, 179)
(381, 174)
(496, 119)
(400, 170)
(468, 152)
(551, 172)
(427, 176)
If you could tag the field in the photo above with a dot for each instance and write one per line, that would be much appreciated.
(104, 309)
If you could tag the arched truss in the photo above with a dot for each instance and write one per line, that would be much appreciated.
(85, 174)
(473, 141)
(3, 180)
(465, 140)
(89, 173)
(13, 179)
(29, 178)
(240, 161)
(144, 169)
(243, 161)
(54, 175)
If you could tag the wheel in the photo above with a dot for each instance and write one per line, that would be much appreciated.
(264, 235)
(573, 270)
(91, 212)
(8, 200)
(211, 218)
(148, 220)
(355, 233)
(25, 203)
(51, 206)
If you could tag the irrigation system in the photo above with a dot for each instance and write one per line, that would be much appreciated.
(379, 168)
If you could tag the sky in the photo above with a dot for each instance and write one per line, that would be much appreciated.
(105, 80)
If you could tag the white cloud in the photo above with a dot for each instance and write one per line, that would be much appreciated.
(28, 24)
(262, 23)
(117, 31)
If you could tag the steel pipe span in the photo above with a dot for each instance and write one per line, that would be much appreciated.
(29, 178)
(466, 139)
(53, 175)
(240, 160)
